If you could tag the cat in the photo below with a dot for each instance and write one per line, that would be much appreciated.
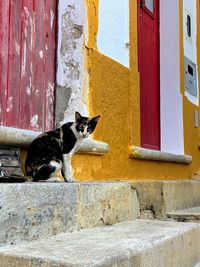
(49, 155)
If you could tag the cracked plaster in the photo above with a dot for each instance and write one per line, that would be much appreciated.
(71, 90)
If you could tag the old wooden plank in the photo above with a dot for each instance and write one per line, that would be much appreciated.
(13, 100)
(10, 163)
(26, 64)
(50, 48)
(4, 29)
(10, 171)
(38, 96)
(11, 153)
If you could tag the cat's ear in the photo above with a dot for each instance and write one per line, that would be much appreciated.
(95, 119)
(77, 116)
(93, 122)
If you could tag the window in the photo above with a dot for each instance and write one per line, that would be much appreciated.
(190, 70)
(149, 4)
(188, 23)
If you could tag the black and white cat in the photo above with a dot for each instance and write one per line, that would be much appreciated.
(49, 155)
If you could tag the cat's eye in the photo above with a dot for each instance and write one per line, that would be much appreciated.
(89, 129)
(81, 128)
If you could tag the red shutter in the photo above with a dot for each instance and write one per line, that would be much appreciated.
(27, 63)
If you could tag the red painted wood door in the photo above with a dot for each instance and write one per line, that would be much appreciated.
(149, 68)
(27, 63)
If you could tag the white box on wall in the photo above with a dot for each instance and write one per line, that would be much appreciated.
(190, 50)
(190, 40)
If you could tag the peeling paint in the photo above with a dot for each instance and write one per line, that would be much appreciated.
(23, 67)
(37, 92)
(26, 16)
(31, 37)
(70, 58)
(50, 93)
(50, 103)
(9, 104)
(41, 54)
(27, 13)
(51, 18)
(33, 30)
(24, 81)
(26, 32)
(34, 121)
(63, 95)
(72, 68)
(28, 90)
(30, 81)
(17, 48)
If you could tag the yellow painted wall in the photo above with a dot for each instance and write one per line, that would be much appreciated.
(191, 134)
(115, 94)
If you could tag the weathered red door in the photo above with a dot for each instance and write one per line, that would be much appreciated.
(149, 68)
(27, 63)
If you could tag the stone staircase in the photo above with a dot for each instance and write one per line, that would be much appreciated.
(31, 211)
(178, 200)
(186, 215)
(135, 243)
(109, 224)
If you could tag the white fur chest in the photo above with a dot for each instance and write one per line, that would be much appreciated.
(76, 147)
(67, 169)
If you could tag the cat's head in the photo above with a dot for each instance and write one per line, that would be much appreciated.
(84, 125)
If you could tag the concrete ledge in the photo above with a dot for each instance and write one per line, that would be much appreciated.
(158, 198)
(22, 138)
(186, 215)
(91, 146)
(139, 243)
(31, 211)
(149, 154)
(16, 137)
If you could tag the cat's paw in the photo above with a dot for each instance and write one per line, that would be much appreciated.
(70, 180)
(55, 180)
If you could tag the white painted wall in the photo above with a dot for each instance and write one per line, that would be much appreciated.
(113, 30)
(171, 99)
(190, 50)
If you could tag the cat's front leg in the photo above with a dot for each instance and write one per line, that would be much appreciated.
(67, 168)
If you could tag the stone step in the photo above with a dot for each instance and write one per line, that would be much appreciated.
(32, 211)
(139, 243)
(186, 215)
(158, 198)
